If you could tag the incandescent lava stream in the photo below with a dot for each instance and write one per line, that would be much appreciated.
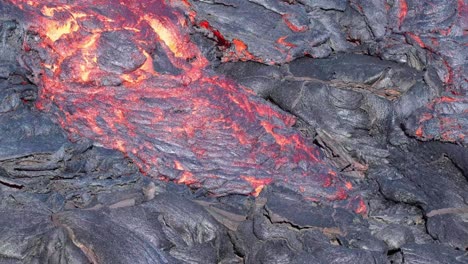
(126, 75)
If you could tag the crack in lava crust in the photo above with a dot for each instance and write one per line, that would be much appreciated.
(98, 66)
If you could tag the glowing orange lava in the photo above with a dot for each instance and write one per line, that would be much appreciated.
(403, 12)
(126, 75)
(362, 208)
(417, 39)
(291, 25)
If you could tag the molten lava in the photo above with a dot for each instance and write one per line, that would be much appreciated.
(403, 11)
(126, 75)
(435, 118)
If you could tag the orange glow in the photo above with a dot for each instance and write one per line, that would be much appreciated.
(447, 99)
(291, 25)
(328, 182)
(403, 11)
(239, 51)
(120, 145)
(187, 178)
(349, 185)
(417, 39)
(166, 35)
(55, 31)
(178, 165)
(340, 195)
(279, 138)
(282, 41)
(240, 46)
(219, 37)
(48, 11)
(419, 132)
(178, 122)
(425, 117)
(362, 208)
(257, 184)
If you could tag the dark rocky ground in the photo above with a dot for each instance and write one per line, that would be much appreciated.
(64, 202)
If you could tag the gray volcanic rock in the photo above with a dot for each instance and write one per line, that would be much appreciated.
(27, 132)
(425, 35)
(115, 49)
(64, 202)
(450, 227)
(287, 31)
(433, 254)
(395, 236)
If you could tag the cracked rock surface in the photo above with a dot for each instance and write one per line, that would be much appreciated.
(383, 95)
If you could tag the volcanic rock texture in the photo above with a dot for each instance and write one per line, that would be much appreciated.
(428, 35)
(323, 116)
(127, 76)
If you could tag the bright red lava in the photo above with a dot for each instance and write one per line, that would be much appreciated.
(98, 79)
(403, 12)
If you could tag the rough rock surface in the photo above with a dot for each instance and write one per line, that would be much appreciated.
(64, 202)
(425, 35)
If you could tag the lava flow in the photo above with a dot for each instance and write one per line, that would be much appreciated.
(126, 75)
